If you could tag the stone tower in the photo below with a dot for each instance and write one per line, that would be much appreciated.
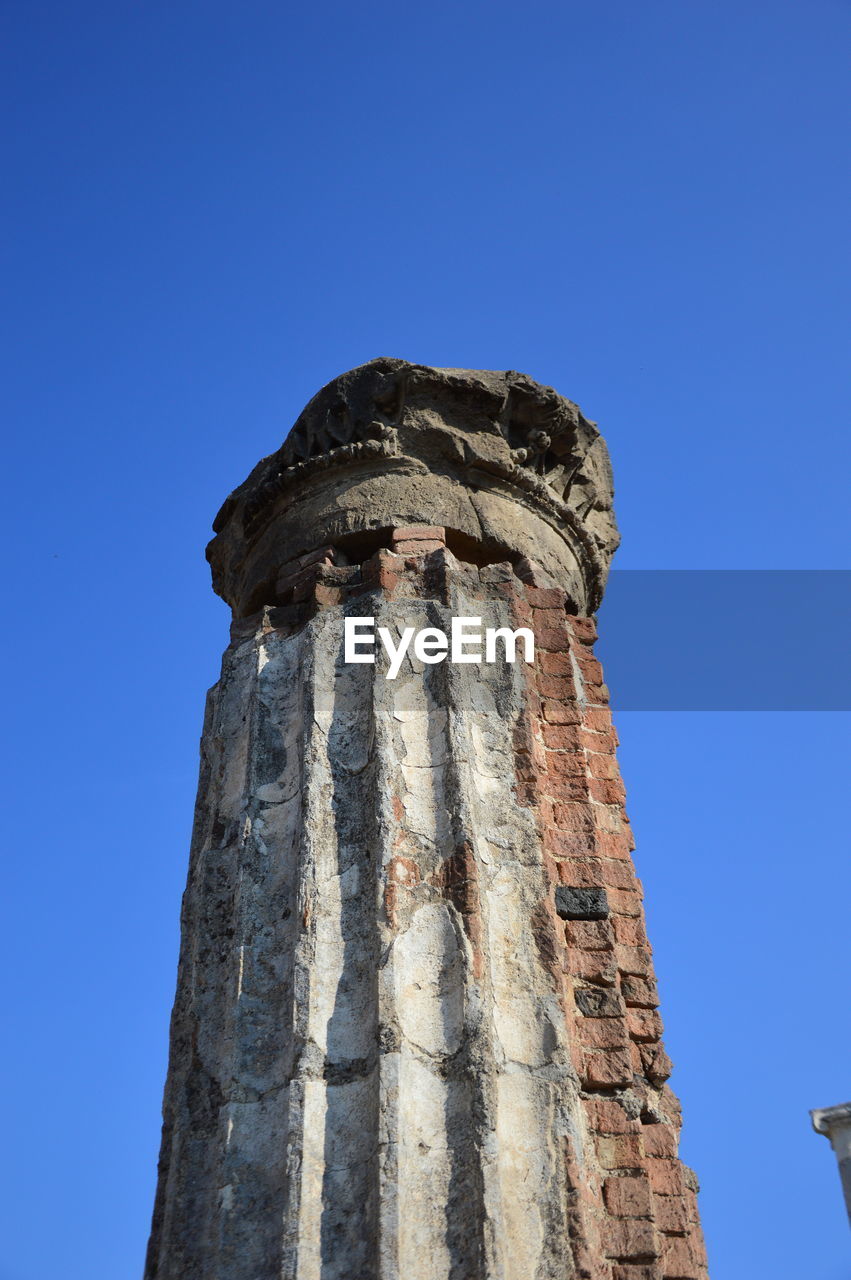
(416, 1032)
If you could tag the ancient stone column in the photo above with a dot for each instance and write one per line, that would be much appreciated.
(416, 1032)
(835, 1124)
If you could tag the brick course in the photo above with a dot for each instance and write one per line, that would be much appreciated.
(644, 1209)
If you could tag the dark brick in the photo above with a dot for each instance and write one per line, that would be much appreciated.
(574, 903)
(599, 1004)
(641, 993)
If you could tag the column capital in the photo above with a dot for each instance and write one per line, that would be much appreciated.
(830, 1120)
(508, 467)
(835, 1124)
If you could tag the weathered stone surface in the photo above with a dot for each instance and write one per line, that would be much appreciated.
(415, 1031)
(510, 468)
(370, 1064)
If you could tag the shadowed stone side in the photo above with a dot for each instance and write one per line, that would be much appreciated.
(415, 1033)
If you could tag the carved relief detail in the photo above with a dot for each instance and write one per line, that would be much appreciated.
(488, 430)
(379, 441)
(544, 431)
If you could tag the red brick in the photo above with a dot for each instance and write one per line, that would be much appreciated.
(613, 846)
(624, 902)
(609, 818)
(561, 712)
(666, 1177)
(589, 935)
(629, 930)
(698, 1248)
(527, 792)
(573, 817)
(620, 875)
(602, 765)
(623, 1151)
(555, 664)
(549, 618)
(606, 1115)
(585, 873)
(555, 639)
(644, 1024)
(562, 737)
(546, 597)
(590, 966)
(628, 1197)
(633, 960)
(636, 1058)
(603, 1033)
(606, 1068)
(419, 533)
(671, 1108)
(419, 548)
(678, 1260)
(547, 813)
(580, 866)
(565, 787)
(605, 742)
(322, 555)
(382, 557)
(529, 769)
(382, 570)
(583, 1263)
(656, 1063)
(598, 719)
(585, 629)
(555, 687)
(597, 695)
(566, 763)
(591, 670)
(567, 844)
(607, 790)
(670, 1214)
(630, 1238)
(690, 1202)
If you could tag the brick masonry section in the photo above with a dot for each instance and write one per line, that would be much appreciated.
(635, 1206)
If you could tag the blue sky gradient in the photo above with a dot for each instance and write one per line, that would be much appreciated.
(210, 209)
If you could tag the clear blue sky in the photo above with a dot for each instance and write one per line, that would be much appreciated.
(211, 209)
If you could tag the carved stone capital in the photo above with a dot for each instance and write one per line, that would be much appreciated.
(835, 1124)
(832, 1121)
(508, 467)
